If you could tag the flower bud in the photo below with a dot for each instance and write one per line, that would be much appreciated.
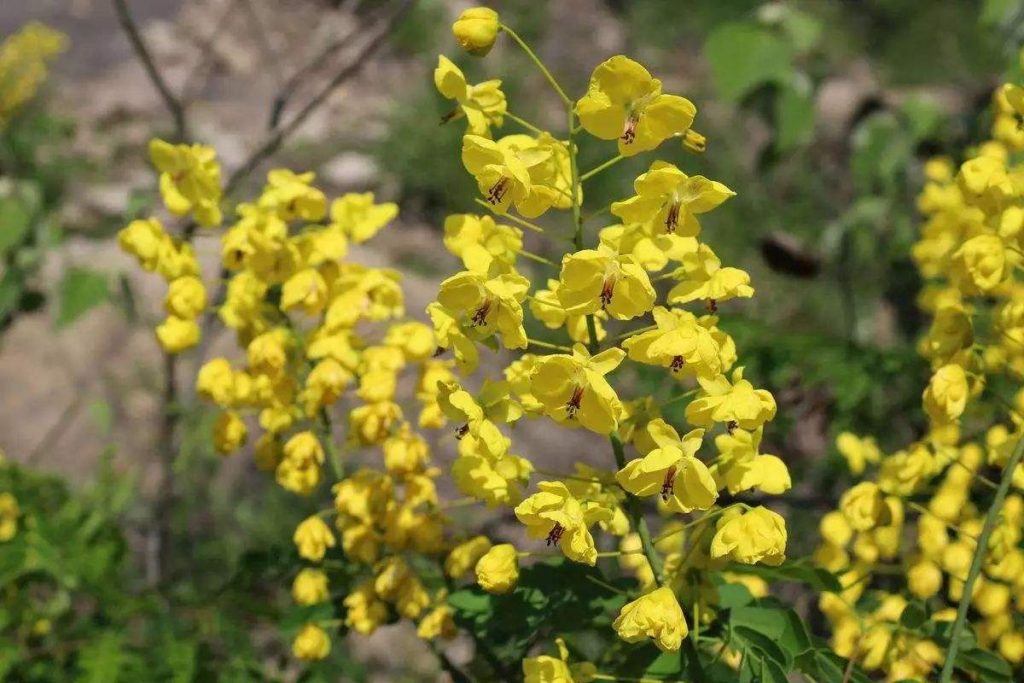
(498, 570)
(312, 643)
(476, 30)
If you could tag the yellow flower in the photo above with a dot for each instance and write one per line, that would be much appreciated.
(495, 480)
(299, 470)
(291, 196)
(595, 280)
(651, 249)
(186, 297)
(487, 306)
(189, 180)
(9, 512)
(741, 467)
(701, 276)
(439, 623)
(305, 289)
(23, 64)
(946, 395)
(498, 570)
(311, 644)
(758, 535)
(979, 265)
(864, 506)
(359, 218)
(625, 103)
(482, 104)
(671, 200)
(310, 587)
(481, 243)
(464, 556)
(736, 403)
(146, 240)
(573, 388)
(547, 669)
(502, 176)
(476, 29)
(680, 342)
(672, 471)
(556, 515)
(312, 538)
(177, 334)
(365, 611)
(548, 163)
(406, 452)
(857, 451)
(229, 432)
(656, 615)
(547, 308)
(371, 423)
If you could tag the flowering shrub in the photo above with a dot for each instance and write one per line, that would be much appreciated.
(932, 533)
(648, 557)
(319, 332)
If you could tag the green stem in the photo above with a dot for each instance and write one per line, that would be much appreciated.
(540, 65)
(637, 515)
(538, 258)
(549, 345)
(608, 164)
(979, 556)
(332, 449)
(524, 123)
(515, 219)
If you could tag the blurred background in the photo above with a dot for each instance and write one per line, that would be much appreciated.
(818, 114)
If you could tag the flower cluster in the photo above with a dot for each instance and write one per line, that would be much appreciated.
(926, 512)
(319, 335)
(24, 59)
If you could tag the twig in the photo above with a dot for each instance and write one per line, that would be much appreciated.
(156, 78)
(273, 141)
(192, 82)
(979, 556)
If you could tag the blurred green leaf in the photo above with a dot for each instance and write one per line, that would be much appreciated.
(815, 577)
(794, 117)
(101, 660)
(81, 290)
(744, 56)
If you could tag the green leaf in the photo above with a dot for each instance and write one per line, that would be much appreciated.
(924, 116)
(988, 666)
(744, 56)
(81, 290)
(16, 218)
(914, 616)
(101, 660)
(732, 595)
(760, 646)
(794, 116)
(11, 287)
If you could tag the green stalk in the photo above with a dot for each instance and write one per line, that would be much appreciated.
(979, 556)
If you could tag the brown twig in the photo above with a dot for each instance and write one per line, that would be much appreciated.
(172, 103)
(192, 81)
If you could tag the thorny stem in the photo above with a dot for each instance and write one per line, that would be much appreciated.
(540, 65)
(979, 556)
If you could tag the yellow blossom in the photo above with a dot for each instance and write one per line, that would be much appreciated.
(498, 570)
(312, 643)
(573, 388)
(655, 615)
(476, 30)
(482, 104)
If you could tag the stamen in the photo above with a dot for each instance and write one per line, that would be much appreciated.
(480, 315)
(498, 190)
(677, 363)
(438, 352)
(669, 483)
(672, 218)
(607, 291)
(555, 535)
(629, 129)
(711, 305)
(573, 406)
(461, 431)
(731, 426)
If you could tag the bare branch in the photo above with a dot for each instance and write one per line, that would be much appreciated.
(172, 103)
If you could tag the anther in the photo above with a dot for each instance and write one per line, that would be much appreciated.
(573, 406)
(731, 426)
(677, 363)
(480, 315)
(672, 218)
(629, 129)
(555, 535)
(461, 431)
(607, 291)
(498, 190)
(711, 305)
(669, 483)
